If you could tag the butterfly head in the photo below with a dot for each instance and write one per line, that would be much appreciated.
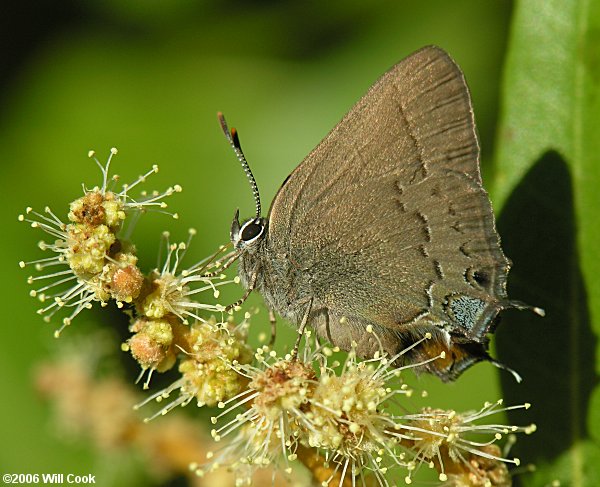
(248, 235)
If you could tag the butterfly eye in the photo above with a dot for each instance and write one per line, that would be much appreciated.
(251, 230)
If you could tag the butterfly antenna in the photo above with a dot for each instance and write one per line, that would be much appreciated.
(234, 141)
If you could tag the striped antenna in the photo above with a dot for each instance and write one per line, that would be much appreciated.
(234, 141)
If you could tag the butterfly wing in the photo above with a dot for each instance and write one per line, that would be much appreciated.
(386, 221)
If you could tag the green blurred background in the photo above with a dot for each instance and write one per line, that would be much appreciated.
(148, 78)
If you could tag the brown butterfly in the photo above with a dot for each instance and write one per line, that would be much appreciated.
(386, 225)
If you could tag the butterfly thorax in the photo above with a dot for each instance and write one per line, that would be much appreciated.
(276, 279)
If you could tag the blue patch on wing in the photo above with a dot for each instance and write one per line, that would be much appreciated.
(465, 310)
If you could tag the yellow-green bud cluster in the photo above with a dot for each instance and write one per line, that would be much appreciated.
(346, 410)
(99, 265)
(94, 252)
(210, 354)
(443, 439)
(152, 344)
(208, 372)
(163, 295)
(285, 386)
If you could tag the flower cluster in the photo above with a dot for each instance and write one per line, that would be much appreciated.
(100, 264)
(95, 264)
(93, 401)
(448, 441)
(210, 350)
(340, 417)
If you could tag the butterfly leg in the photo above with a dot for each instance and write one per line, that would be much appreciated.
(231, 257)
(273, 322)
(301, 328)
(241, 301)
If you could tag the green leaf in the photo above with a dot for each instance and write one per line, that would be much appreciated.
(548, 179)
(579, 460)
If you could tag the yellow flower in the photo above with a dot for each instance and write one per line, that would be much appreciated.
(266, 432)
(455, 442)
(174, 292)
(95, 265)
(211, 351)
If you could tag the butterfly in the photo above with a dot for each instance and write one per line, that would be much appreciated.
(385, 226)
